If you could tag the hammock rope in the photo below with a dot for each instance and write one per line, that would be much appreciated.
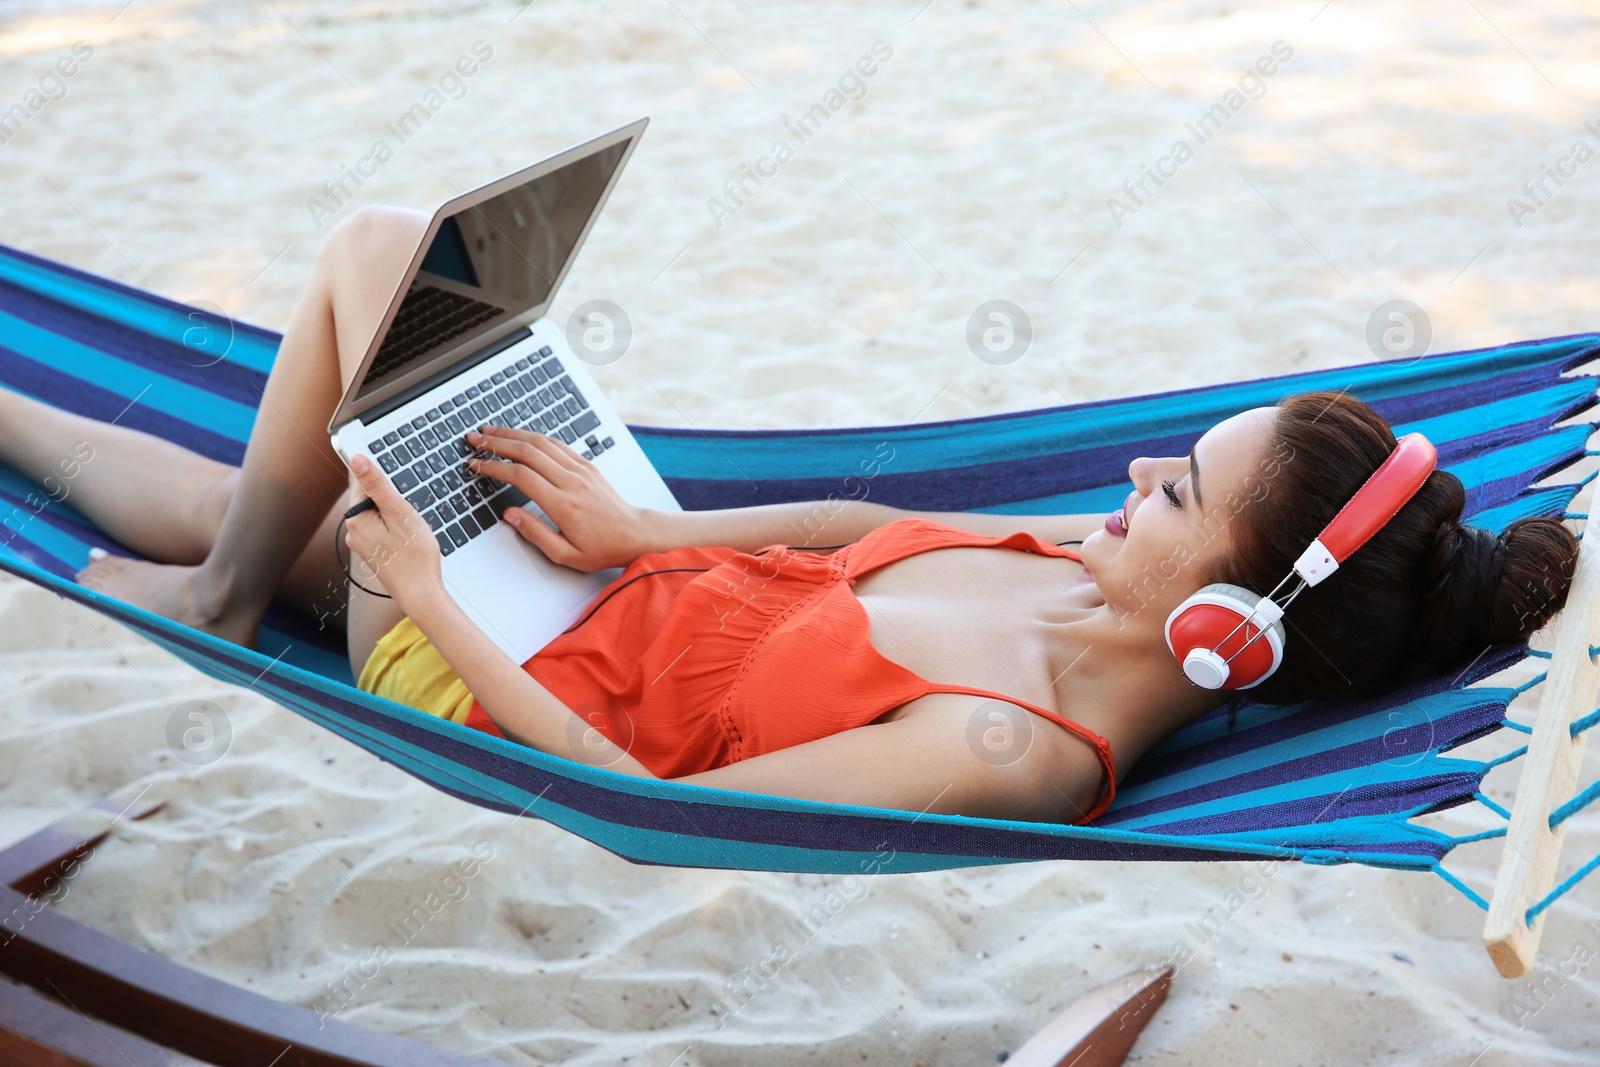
(1578, 802)
(1492, 805)
(1464, 889)
(1585, 723)
(1561, 890)
(1529, 684)
(1325, 782)
(1563, 812)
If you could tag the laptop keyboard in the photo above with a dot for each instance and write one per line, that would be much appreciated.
(428, 316)
(426, 458)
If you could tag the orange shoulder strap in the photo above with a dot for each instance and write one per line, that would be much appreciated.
(1101, 746)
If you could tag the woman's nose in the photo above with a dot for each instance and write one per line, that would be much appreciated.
(1140, 474)
(1146, 472)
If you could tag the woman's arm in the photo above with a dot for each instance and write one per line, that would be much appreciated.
(600, 529)
(922, 762)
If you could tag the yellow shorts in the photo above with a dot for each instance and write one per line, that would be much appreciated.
(407, 669)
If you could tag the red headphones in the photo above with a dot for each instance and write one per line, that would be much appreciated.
(1214, 633)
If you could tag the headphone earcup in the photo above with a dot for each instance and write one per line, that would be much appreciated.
(1198, 634)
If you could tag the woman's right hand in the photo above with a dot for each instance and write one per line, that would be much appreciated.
(599, 529)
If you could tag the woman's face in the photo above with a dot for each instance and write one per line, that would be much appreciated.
(1175, 525)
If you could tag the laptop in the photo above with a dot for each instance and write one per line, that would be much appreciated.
(465, 341)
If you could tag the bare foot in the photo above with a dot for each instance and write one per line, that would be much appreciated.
(168, 590)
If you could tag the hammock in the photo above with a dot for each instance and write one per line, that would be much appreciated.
(1323, 782)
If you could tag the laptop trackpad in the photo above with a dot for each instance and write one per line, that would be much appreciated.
(517, 597)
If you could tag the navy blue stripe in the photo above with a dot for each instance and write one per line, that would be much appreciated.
(144, 295)
(1431, 403)
(1464, 450)
(223, 378)
(18, 543)
(1436, 792)
(1508, 490)
(1404, 744)
(71, 393)
(1313, 716)
(1551, 355)
(977, 486)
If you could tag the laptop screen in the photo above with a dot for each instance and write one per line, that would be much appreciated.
(492, 262)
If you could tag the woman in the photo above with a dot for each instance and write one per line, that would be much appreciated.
(943, 662)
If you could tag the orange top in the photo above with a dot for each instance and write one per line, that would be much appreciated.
(722, 655)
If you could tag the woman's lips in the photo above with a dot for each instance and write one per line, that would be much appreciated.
(1117, 523)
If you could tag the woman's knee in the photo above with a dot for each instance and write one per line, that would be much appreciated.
(361, 264)
(377, 232)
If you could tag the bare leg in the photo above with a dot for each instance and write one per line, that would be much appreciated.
(156, 497)
(161, 500)
(290, 478)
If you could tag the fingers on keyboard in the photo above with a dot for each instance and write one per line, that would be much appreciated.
(426, 457)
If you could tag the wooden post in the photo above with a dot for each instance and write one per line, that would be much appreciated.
(1532, 853)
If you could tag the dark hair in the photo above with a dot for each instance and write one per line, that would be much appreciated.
(1424, 588)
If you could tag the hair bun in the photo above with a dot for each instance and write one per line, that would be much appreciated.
(1482, 589)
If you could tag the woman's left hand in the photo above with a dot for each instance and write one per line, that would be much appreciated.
(392, 538)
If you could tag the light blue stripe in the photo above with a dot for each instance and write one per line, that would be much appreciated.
(1030, 436)
(703, 848)
(305, 655)
(1352, 833)
(184, 402)
(248, 349)
(1541, 501)
(1508, 411)
(1517, 460)
(1366, 728)
(709, 851)
(1330, 784)
(47, 537)
(1520, 459)
(937, 446)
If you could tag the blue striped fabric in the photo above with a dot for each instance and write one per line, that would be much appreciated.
(1325, 782)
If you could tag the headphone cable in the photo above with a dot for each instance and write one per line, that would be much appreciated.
(350, 513)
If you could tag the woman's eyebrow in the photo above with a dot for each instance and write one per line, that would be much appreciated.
(1194, 477)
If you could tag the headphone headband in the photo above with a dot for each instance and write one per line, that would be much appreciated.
(1396, 481)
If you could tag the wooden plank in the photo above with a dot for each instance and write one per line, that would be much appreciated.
(36, 1031)
(1099, 1028)
(183, 1009)
(32, 864)
(1532, 854)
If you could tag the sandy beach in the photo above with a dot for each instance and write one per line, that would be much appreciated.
(996, 151)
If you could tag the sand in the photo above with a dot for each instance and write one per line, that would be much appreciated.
(188, 155)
